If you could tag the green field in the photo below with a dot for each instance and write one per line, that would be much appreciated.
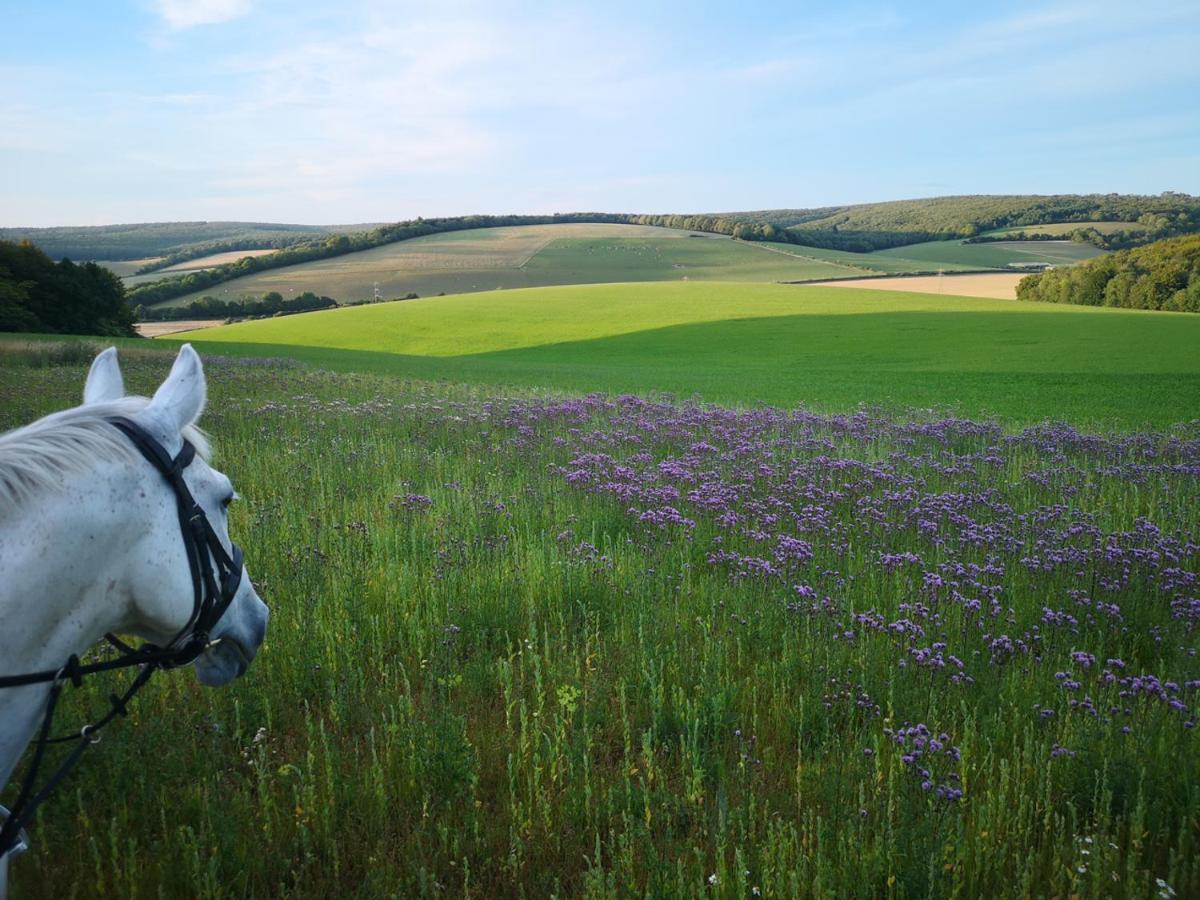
(998, 255)
(538, 255)
(868, 262)
(584, 647)
(827, 348)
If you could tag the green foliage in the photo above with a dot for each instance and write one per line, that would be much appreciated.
(1163, 275)
(269, 304)
(37, 294)
(829, 348)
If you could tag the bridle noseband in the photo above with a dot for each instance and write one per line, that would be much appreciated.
(216, 577)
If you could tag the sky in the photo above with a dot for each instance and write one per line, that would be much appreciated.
(366, 111)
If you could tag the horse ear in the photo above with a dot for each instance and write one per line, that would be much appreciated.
(180, 399)
(104, 381)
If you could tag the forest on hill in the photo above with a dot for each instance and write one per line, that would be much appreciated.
(161, 239)
(39, 295)
(878, 226)
(1162, 275)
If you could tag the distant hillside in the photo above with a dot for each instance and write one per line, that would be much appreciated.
(487, 259)
(166, 239)
(1162, 275)
(876, 226)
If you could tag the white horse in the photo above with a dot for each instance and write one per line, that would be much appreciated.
(90, 542)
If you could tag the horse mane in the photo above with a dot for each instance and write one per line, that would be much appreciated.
(39, 456)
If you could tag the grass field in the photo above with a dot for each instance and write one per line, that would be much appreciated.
(531, 647)
(998, 255)
(538, 255)
(828, 348)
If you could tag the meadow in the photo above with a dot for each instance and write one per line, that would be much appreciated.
(544, 645)
(829, 348)
(488, 259)
(998, 255)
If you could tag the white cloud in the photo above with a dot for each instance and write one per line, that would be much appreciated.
(182, 14)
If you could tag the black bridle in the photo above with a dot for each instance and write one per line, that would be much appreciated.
(216, 576)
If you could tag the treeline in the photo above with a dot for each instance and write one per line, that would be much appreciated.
(269, 304)
(38, 294)
(137, 241)
(340, 244)
(209, 248)
(878, 226)
(1162, 275)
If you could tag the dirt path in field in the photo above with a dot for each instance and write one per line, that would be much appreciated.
(998, 286)
(158, 329)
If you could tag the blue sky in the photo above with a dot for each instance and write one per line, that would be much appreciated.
(359, 111)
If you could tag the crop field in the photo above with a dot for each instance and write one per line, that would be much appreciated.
(543, 645)
(996, 285)
(536, 255)
(124, 268)
(192, 265)
(1068, 227)
(998, 255)
(829, 348)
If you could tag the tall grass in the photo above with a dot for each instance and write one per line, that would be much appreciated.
(487, 677)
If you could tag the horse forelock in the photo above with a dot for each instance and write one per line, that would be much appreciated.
(39, 456)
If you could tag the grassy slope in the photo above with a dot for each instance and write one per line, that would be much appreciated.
(830, 348)
(873, 263)
(998, 255)
(539, 255)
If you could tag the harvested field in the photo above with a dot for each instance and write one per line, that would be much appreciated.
(123, 268)
(215, 259)
(158, 329)
(998, 286)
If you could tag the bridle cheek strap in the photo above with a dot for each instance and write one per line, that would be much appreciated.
(213, 591)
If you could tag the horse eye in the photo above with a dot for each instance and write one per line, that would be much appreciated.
(225, 503)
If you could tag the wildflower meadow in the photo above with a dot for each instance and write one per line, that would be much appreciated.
(526, 645)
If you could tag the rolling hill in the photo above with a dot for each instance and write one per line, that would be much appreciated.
(537, 255)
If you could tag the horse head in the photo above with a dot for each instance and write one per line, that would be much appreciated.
(162, 595)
